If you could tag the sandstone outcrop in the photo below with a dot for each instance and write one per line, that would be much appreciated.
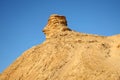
(56, 24)
(68, 55)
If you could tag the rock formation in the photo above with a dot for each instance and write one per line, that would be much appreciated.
(68, 55)
(56, 24)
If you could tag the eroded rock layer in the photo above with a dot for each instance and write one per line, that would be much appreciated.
(68, 55)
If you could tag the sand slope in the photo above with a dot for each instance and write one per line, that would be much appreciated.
(68, 55)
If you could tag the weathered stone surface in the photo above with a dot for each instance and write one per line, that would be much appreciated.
(56, 24)
(68, 55)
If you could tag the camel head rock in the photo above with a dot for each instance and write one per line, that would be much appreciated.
(56, 24)
(68, 55)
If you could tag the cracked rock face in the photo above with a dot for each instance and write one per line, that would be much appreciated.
(68, 55)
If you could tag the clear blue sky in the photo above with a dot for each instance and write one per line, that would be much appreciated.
(22, 21)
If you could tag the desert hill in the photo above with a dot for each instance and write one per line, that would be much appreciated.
(68, 55)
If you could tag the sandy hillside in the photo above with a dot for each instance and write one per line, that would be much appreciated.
(68, 55)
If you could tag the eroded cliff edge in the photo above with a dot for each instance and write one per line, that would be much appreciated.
(68, 55)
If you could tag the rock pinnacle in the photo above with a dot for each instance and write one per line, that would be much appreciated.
(56, 23)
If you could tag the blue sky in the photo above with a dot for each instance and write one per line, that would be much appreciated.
(22, 21)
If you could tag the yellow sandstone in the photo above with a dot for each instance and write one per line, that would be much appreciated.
(68, 55)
